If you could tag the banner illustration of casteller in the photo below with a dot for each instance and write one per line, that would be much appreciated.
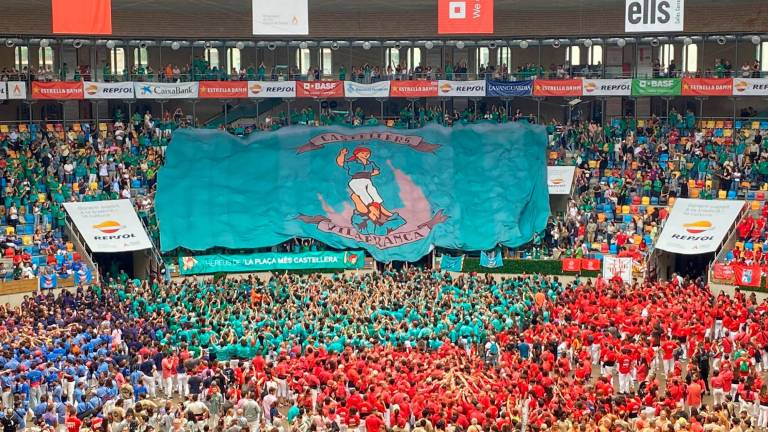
(395, 193)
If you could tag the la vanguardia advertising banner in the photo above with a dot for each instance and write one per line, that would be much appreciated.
(220, 263)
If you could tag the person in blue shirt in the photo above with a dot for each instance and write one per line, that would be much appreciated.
(524, 349)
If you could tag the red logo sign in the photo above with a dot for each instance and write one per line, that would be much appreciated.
(57, 90)
(465, 16)
(568, 87)
(707, 87)
(223, 89)
(320, 89)
(571, 264)
(591, 264)
(413, 88)
(723, 272)
(84, 17)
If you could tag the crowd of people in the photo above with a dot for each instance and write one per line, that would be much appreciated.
(400, 350)
(41, 168)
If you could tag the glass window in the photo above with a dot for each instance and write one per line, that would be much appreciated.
(303, 59)
(504, 56)
(393, 57)
(140, 57)
(595, 55)
(117, 60)
(327, 59)
(573, 55)
(414, 58)
(666, 55)
(22, 57)
(233, 58)
(762, 55)
(212, 57)
(45, 56)
(691, 58)
(483, 58)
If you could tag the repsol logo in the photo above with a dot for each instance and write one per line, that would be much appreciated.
(116, 90)
(692, 237)
(615, 87)
(114, 237)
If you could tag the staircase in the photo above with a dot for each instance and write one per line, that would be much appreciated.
(244, 110)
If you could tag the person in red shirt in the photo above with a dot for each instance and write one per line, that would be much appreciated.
(668, 348)
(374, 422)
(625, 372)
(72, 423)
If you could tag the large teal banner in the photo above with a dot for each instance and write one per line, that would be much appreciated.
(204, 264)
(395, 193)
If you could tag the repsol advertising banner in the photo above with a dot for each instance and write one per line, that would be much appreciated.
(698, 226)
(607, 87)
(461, 88)
(248, 263)
(109, 226)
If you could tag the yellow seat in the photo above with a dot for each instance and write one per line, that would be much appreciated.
(708, 184)
(719, 124)
(711, 124)
(745, 184)
(4, 129)
(75, 187)
(102, 127)
(721, 194)
(645, 201)
(9, 230)
(41, 198)
(650, 210)
(691, 183)
(758, 246)
(601, 217)
(641, 123)
(693, 193)
(637, 239)
(739, 245)
(94, 186)
(26, 240)
(625, 209)
(755, 125)
(755, 205)
(70, 247)
(728, 133)
(553, 155)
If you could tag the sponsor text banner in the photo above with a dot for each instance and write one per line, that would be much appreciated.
(413, 88)
(57, 90)
(566, 87)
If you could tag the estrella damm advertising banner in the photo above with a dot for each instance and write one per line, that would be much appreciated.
(707, 87)
(563, 87)
(57, 90)
(267, 261)
(656, 87)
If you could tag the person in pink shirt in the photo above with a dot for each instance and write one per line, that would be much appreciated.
(170, 363)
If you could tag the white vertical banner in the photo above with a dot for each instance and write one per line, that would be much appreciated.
(280, 17)
(615, 266)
